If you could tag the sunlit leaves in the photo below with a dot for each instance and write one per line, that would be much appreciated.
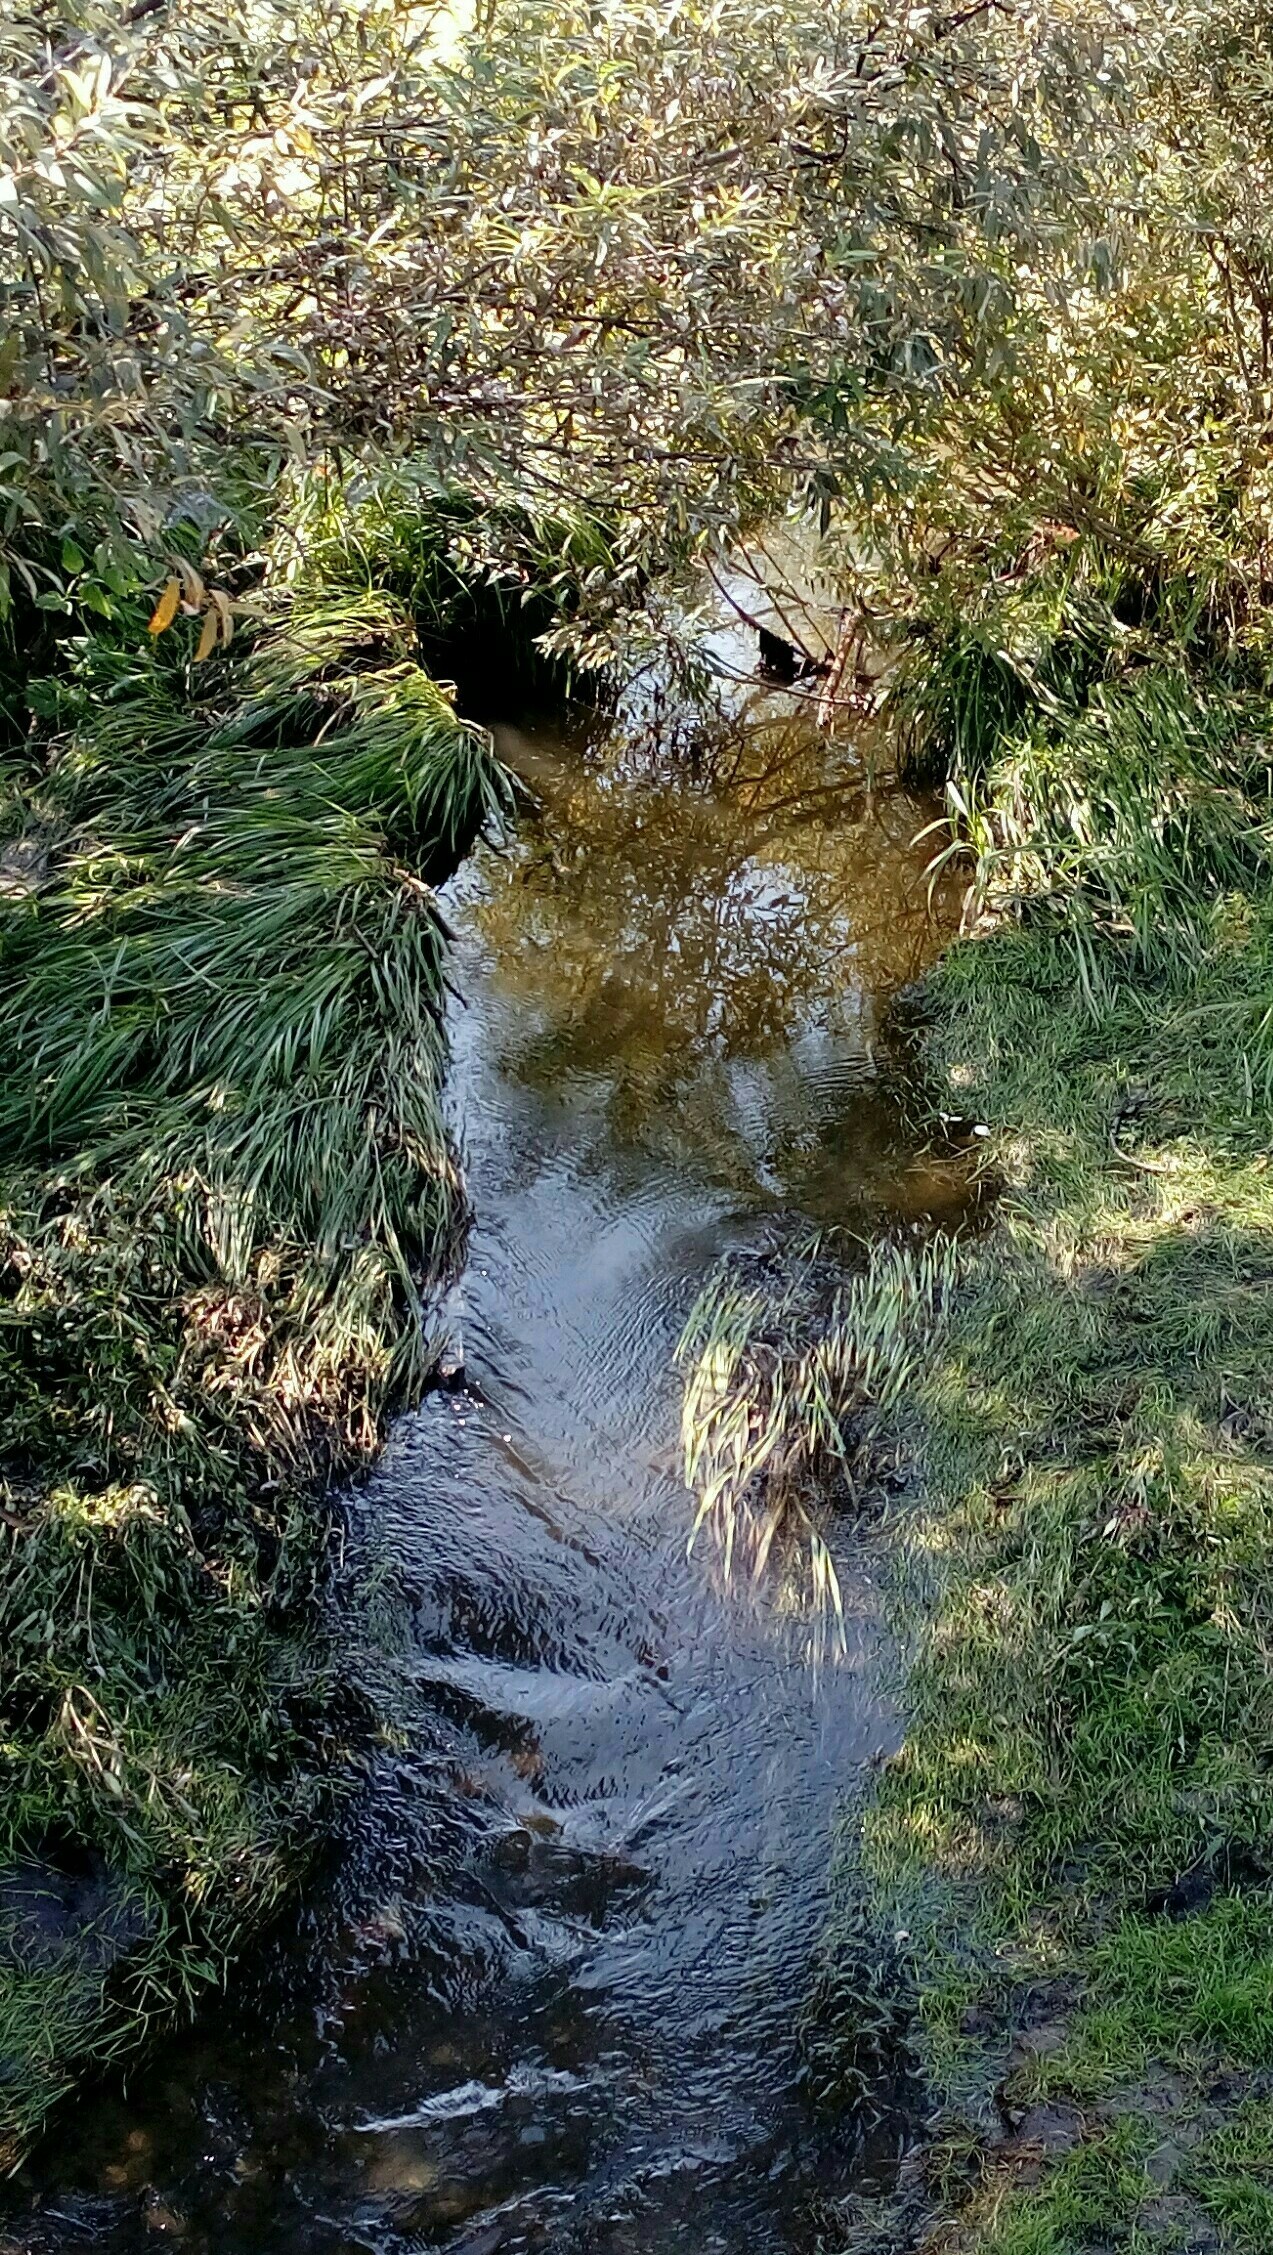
(166, 608)
(948, 273)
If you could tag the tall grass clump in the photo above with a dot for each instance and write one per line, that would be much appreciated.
(785, 1388)
(224, 1188)
(1129, 815)
(953, 698)
(512, 596)
(1096, 771)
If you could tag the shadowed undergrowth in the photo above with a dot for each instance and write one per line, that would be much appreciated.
(225, 1183)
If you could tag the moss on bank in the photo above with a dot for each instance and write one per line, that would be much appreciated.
(224, 1183)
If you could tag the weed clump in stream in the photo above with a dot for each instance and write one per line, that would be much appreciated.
(224, 1186)
(786, 1387)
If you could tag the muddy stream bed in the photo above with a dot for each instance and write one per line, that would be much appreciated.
(546, 1995)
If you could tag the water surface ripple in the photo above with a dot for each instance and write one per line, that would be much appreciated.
(548, 1999)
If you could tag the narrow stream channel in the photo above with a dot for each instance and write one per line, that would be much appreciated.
(548, 1998)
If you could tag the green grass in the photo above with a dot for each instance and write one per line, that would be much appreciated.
(1090, 2198)
(504, 596)
(1092, 1704)
(224, 1188)
(1078, 1830)
(1232, 2176)
(783, 1392)
(1199, 1991)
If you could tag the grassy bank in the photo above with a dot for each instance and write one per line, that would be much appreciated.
(1077, 1837)
(1075, 1846)
(224, 1187)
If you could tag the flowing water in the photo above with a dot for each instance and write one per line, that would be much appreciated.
(548, 1996)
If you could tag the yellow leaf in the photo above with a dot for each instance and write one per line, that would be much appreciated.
(165, 610)
(208, 638)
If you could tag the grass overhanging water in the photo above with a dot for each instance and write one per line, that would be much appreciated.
(786, 1390)
(226, 1188)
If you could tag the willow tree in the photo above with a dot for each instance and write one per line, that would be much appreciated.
(669, 261)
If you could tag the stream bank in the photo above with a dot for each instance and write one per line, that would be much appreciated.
(550, 1996)
(224, 1184)
(1077, 1837)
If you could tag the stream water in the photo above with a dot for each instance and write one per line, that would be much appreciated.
(547, 1997)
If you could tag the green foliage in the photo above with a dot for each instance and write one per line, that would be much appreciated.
(990, 285)
(230, 246)
(416, 327)
(1233, 2176)
(1097, 412)
(112, 391)
(784, 1387)
(869, 261)
(226, 1183)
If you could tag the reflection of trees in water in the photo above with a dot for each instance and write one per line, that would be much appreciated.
(656, 929)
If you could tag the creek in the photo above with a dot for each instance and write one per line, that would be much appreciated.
(547, 1994)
